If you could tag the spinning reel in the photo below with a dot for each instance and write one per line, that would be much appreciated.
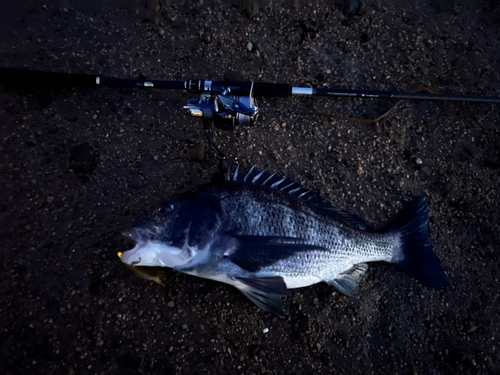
(225, 107)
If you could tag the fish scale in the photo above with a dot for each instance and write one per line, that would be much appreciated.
(342, 249)
(266, 235)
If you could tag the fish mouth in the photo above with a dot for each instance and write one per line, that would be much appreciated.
(130, 244)
(130, 239)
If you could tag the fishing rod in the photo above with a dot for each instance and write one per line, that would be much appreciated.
(223, 104)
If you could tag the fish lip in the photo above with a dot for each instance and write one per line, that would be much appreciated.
(132, 246)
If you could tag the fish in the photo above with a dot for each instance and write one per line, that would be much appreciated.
(267, 236)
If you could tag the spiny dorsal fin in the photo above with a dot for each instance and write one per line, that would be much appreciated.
(274, 181)
(286, 185)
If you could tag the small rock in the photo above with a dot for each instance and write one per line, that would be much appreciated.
(425, 172)
(155, 157)
(153, 5)
(472, 150)
(250, 46)
(473, 328)
(351, 7)
(251, 8)
(161, 103)
(496, 13)
(50, 199)
(415, 19)
(206, 38)
(197, 152)
(171, 304)
(266, 330)
(283, 125)
(309, 26)
(72, 115)
(419, 161)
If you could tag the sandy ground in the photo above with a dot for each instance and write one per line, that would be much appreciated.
(78, 166)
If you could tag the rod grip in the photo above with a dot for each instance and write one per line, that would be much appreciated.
(23, 77)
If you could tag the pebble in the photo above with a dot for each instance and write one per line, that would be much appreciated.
(425, 172)
(50, 199)
(250, 46)
(197, 152)
(251, 8)
(415, 19)
(171, 304)
(205, 37)
(266, 330)
(72, 115)
(351, 7)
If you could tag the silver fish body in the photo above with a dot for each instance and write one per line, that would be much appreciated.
(266, 235)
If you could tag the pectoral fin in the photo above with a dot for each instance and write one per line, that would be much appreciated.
(255, 252)
(348, 282)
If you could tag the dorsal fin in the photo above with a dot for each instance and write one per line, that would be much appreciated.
(286, 185)
(274, 181)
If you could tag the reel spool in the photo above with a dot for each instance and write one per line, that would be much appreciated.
(243, 119)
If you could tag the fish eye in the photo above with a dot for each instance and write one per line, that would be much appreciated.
(165, 209)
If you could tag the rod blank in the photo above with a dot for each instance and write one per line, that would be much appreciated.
(23, 77)
(393, 95)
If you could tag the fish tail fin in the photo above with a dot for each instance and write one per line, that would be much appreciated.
(415, 253)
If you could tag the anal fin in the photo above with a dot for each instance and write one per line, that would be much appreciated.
(348, 281)
(267, 293)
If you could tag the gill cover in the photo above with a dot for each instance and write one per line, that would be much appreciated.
(174, 234)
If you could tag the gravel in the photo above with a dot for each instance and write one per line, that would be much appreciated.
(78, 166)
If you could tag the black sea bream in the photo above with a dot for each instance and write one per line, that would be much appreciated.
(266, 235)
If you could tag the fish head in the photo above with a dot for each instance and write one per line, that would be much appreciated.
(171, 237)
